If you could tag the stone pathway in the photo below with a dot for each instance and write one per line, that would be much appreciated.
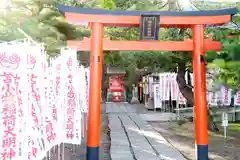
(134, 139)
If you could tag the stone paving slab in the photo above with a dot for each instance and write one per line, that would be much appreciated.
(163, 147)
(140, 145)
(124, 108)
(132, 138)
(120, 148)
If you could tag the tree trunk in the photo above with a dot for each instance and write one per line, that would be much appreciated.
(184, 88)
(187, 92)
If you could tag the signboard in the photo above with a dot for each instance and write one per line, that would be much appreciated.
(225, 123)
(224, 119)
(149, 27)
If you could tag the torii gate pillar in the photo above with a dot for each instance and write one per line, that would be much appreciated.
(200, 106)
(94, 109)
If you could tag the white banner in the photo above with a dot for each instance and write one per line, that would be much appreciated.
(182, 99)
(157, 100)
(174, 86)
(40, 100)
(213, 98)
(237, 98)
(226, 95)
(150, 81)
(72, 117)
(35, 131)
(162, 86)
(12, 84)
(87, 80)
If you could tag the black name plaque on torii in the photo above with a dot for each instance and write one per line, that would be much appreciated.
(149, 27)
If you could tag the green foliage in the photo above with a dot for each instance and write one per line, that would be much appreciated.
(43, 23)
(40, 20)
(226, 61)
(107, 4)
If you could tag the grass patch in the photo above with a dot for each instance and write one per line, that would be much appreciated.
(234, 127)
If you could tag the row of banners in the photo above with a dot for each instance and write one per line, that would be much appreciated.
(42, 100)
(167, 87)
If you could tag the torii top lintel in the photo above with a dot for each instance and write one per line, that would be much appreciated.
(185, 19)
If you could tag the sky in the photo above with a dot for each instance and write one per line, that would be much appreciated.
(210, 1)
(187, 5)
(223, 1)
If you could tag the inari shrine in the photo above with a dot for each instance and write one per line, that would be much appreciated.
(149, 23)
(116, 91)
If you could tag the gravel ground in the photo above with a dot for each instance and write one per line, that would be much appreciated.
(182, 138)
(78, 152)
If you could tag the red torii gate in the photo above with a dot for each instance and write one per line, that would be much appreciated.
(98, 18)
(124, 45)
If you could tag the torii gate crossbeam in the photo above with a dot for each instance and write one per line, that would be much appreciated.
(124, 45)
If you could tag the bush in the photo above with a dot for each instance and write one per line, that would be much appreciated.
(181, 122)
